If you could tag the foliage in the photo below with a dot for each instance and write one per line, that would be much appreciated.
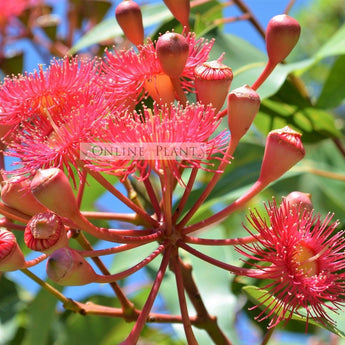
(286, 100)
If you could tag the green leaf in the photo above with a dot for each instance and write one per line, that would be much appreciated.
(334, 46)
(260, 297)
(109, 28)
(331, 96)
(315, 124)
(41, 317)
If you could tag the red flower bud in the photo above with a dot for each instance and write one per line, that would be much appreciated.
(180, 10)
(243, 105)
(300, 201)
(11, 257)
(45, 233)
(129, 17)
(282, 34)
(67, 267)
(16, 193)
(172, 52)
(283, 150)
(51, 187)
(212, 83)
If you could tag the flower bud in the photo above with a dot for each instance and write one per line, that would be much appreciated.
(129, 17)
(16, 193)
(11, 257)
(45, 233)
(283, 150)
(243, 105)
(180, 10)
(172, 52)
(212, 83)
(300, 201)
(282, 34)
(51, 187)
(67, 267)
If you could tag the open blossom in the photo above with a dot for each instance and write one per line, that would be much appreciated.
(13, 8)
(166, 125)
(45, 145)
(28, 97)
(133, 76)
(302, 257)
(50, 112)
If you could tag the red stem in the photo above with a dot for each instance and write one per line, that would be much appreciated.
(220, 242)
(124, 274)
(153, 198)
(35, 261)
(133, 337)
(166, 185)
(191, 340)
(115, 235)
(81, 188)
(206, 192)
(107, 251)
(270, 66)
(233, 269)
(185, 195)
(121, 217)
(217, 217)
(142, 213)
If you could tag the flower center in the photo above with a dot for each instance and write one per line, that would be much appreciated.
(306, 260)
(160, 88)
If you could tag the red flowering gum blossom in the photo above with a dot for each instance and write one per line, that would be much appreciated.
(212, 83)
(16, 193)
(283, 150)
(282, 34)
(45, 233)
(67, 267)
(11, 257)
(129, 17)
(172, 52)
(180, 10)
(243, 105)
(303, 259)
(51, 187)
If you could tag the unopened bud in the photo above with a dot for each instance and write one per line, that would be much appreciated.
(300, 201)
(212, 83)
(129, 17)
(51, 187)
(11, 257)
(45, 233)
(282, 34)
(243, 105)
(16, 193)
(283, 150)
(180, 10)
(67, 267)
(172, 52)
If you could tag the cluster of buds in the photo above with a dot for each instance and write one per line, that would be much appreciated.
(49, 115)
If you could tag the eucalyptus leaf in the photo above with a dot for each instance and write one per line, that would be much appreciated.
(109, 28)
(331, 95)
